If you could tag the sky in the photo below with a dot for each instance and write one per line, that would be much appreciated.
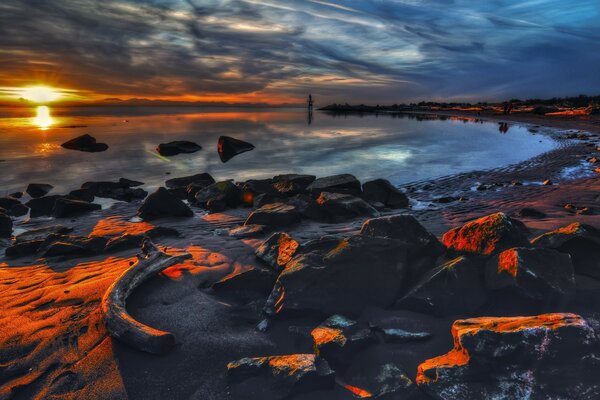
(278, 51)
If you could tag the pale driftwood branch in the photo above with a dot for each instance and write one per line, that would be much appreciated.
(119, 324)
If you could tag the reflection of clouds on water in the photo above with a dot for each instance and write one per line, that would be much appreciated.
(401, 149)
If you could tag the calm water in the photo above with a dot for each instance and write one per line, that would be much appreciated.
(399, 149)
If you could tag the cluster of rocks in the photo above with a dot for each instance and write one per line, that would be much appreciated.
(393, 262)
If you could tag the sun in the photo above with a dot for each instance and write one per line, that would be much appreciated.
(40, 94)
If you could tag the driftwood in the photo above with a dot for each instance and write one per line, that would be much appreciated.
(119, 324)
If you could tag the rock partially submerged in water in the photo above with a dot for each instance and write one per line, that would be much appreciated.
(219, 196)
(274, 215)
(6, 225)
(278, 377)
(229, 147)
(85, 143)
(339, 207)
(292, 184)
(163, 204)
(201, 179)
(42, 206)
(177, 147)
(64, 207)
(121, 190)
(536, 357)
(383, 192)
(277, 250)
(343, 183)
(36, 190)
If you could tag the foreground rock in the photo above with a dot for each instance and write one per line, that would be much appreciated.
(64, 207)
(278, 377)
(277, 250)
(550, 356)
(337, 207)
(6, 225)
(229, 147)
(42, 206)
(219, 196)
(487, 235)
(36, 190)
(85, 143)
(177, 147)
(121, 190)
(201, 179)
(381, 191)
(581, 241)
(274, 215)
(343, 183)
(163, 204)
(538, 274)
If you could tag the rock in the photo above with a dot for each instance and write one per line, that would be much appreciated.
(6, 225)
(394, 335)
(274, 215)
(8, 202)
(42, 233)
(256, 187)
(338, 207)
(248, 231)
(382, 191)
(581, 241)
(219, 196)
(163, 204)
(454, 288)
(343, 183)
(537, 357)
(266, 198)
(115, 190)
(202, 179)
(18, 210)
(67, 249)
(42, 206)
(36, 190)
(82, 195)
(338, 339)
(360, 271)
(177, 147)
(24, 248)
(487, 235)
(446, 199)
(247, 284)
(64, 207)
(277, 250)
(278, 377)
(135, 241)
(16, 195)
(538, 274)
(387, 381)
(229, 147)
(547, 182)
(85, 143)
(130, 182)
(527, 212)
(292, 184)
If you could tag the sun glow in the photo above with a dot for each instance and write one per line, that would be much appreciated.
(40, 94)
(43, 119)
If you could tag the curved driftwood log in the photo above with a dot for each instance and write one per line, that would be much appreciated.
(119, 323)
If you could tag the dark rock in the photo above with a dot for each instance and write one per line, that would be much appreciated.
(64, 207)
(394, 335)
(446, 199)
(487, 235)
(42, 206)
(452, 289)
(82, 195)
(278, 377)
(219, 196)
(134, 241)
(527, 212)
(130, 182)
(24, 248)
(338, 207)
(245, 283)
(42, 233)
(18, 210)
(274, 215)
(256, 187)
(266, 198)
(229, 147)
(249, 231)
(538, 274)
(163, 204)
(338, 339)
(6, 225)
(85, 143)
(535, 357)
(541, 110)
(177, 147)
(36, 190)
(547, 182)
(16, 195)
(581, 241)
(8, 202)
(277, 250)
(382, 191)
(343, 183)
(203, 179)
(292, 184)
(360, 271)
(57, 249)
(387, 381)
(115, 190)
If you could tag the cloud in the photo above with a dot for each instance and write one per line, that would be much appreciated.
(367, 51)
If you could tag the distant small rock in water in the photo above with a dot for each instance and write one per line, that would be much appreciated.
(85, 143)
(36, 190)
(229, 147)
(177, 147)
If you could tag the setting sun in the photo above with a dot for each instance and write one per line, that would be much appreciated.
(40, 94)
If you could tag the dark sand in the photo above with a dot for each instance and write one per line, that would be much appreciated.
(53, 341)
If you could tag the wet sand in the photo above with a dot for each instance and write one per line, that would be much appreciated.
(53, 344)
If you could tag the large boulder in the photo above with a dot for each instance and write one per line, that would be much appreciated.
(550, 356)
(581, 241)
(64, 207)
(229, 147)
(274, 215)
(36, 190)
(381, 191)
(537, 274)
(278, 377)
(338, 207)
(219, 196)
(338, 339)
(42, 206)
(343, 183)
(163, 204)
(6, 225)
(358, 272)
(487, 235)
(177, 147)
(277, 250)
(455, 288)
(85, 143)
(292, 184)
